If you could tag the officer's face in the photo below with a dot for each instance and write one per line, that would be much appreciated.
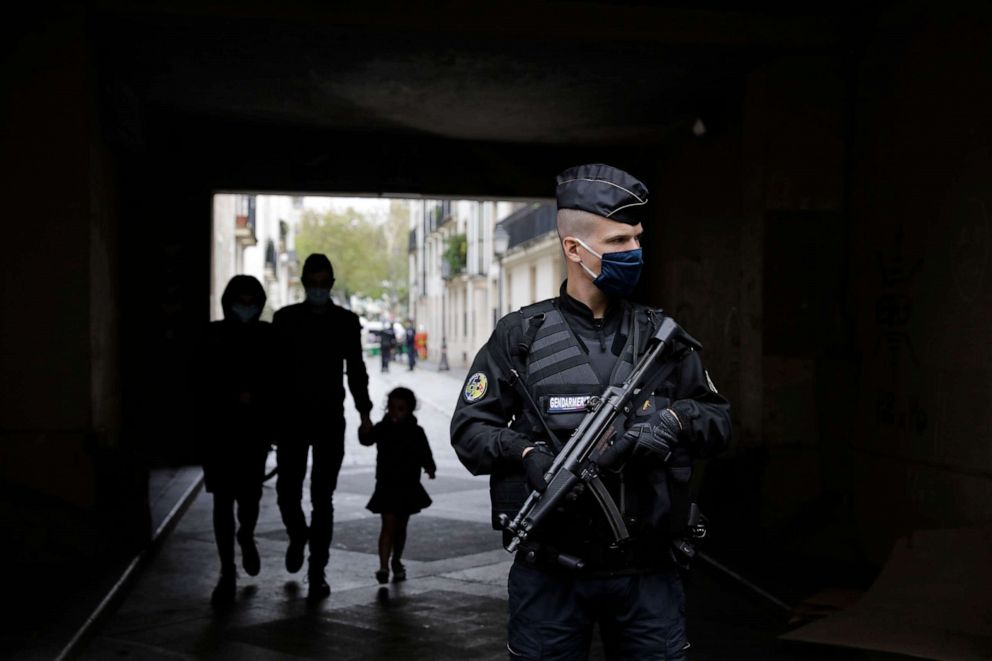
(611, 236)
(604, 237)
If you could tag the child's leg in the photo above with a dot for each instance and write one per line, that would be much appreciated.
(399, 536)
(386, 539)
(224, 531)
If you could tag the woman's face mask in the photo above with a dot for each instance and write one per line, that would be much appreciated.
(244, 312)
(618, 271)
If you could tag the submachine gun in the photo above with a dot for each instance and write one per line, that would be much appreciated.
(575, 463)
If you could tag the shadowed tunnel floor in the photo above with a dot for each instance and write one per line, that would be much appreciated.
(452, 607)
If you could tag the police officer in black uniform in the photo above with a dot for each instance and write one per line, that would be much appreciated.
(566, 350)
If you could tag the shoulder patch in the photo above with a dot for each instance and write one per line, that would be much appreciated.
(476, 387)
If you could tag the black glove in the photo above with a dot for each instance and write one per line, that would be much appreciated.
(536, 463)
(663, 436)
(657, 438)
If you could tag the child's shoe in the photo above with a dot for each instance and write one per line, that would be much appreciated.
(382, 575)
(399, 571)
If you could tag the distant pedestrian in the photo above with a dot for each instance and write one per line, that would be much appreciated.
(387, 340)
(403, 451)
(411, 344)
(235, 368)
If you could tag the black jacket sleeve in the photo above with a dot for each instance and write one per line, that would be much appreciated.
(705, 413)
(480, 433)
(358, 378)
(426, 456)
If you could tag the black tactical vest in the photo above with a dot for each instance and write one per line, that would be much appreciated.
(557, 370)
(559, 375)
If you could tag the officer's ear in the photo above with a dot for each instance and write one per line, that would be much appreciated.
(570, 248)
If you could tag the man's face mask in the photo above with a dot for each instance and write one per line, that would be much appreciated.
(618, 271)
(244, 312)
(318, 295)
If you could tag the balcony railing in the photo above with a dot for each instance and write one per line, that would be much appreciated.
(437, 214)
(529, 223)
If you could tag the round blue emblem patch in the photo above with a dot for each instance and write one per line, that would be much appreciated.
(476, 387)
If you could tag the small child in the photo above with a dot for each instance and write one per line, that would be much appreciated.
(402, 452)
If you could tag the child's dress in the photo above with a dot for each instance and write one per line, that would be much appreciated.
(403, 452)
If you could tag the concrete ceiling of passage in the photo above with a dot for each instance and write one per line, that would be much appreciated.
(556, 73)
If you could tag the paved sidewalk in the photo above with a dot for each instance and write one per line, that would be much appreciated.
(452, 607)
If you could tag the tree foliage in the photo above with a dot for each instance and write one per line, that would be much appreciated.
(456, 254)
(397, 228)
(368, 252)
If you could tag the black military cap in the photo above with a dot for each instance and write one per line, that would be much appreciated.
(603, 190)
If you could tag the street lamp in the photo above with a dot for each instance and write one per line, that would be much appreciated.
(442, 366)
(501, 242)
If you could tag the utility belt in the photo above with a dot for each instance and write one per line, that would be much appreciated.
(636, 556)
(596, 558)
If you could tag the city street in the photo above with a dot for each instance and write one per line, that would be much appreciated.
(453, 606)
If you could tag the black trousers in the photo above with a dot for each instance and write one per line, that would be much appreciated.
(641, 617)
(234, 468)
(291, 455)
(246, 502)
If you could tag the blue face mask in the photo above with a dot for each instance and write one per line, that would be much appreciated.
(244, 313)
(618, 271)
(318, 295)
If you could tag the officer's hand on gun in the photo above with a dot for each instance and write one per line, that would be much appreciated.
(657, 438)
(537, 460)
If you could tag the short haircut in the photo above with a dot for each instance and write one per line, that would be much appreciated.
(316, 263)
(403, 395)
(577, 223)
